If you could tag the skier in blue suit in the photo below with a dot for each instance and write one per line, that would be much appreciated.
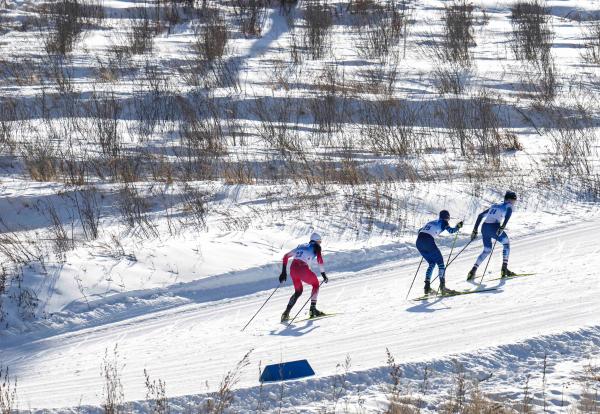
(431, 253)
(496, 219)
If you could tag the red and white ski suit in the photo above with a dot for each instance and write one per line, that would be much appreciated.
(300, 270)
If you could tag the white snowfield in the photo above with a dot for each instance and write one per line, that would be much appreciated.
(504, 333)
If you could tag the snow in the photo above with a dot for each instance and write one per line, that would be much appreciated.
(174, 303)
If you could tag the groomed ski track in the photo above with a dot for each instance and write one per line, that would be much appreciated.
(190, 345)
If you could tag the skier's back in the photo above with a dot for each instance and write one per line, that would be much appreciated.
(496, 219)
(302, 256)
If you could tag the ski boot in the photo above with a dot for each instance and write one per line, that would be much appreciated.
(427, 287)
(471, 275)
(505, 272)
(285, 316)
(315, 313)
(444, 290)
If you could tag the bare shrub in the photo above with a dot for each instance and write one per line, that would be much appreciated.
(139, 38)
(202, 134)
(278, 123)
(105, 112)
(219, 401)
(319, 20)
(251, 16)
(156, 395)
(194, 203)
(388, 127)
(329, 108)
(474, 126)
(380, 26)
(135, 210)
(458, 32)
(451, 77)
(27, 302)
(113, 65)
(211, 39)
(88, 210)
(591, 33)
(396, 398)
(113, 249)
(572, 143)
(532, 35)
(381, 77)
(40, 157)
(8, 392)
(67, 20)
(16, 249)
(8, 120)
(589, 401)
(112, 393)
(3, 280)
(62, 238)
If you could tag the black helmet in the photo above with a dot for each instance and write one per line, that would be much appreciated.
(510, 195)
(444, 215)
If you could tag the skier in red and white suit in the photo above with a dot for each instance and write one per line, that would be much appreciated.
(302, 256)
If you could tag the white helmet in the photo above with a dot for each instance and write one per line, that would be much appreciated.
(315, 237)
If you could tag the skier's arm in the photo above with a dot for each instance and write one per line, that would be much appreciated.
(320, 259)
(479, 218)
(452, 230)
(477, 223)
(286, 258)
(507, 216)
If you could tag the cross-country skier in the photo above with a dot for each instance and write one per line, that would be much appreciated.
(300, 271)
(496, 219)
(431, 253)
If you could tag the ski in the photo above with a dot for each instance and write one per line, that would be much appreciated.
(514, 276)
(447, 295)
(327, 315)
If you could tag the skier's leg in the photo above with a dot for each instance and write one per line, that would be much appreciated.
(429, 271)
(505, 247)
(311, 278)
(503, 238)
(426, 246)
(439, 261)
(487, 248)
(296, 274)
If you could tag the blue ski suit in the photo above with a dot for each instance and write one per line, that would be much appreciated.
(429, 250)
(496, 214)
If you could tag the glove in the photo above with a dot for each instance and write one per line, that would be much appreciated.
(325, 278)
(500, 230)
(474, 235)
(459, 225)
(283, 276)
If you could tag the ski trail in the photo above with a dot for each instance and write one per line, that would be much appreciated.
(191, 344)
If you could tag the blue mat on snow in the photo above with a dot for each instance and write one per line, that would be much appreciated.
(287, 371)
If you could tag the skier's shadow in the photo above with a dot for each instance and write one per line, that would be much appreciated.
(293, 330)
(425, 306)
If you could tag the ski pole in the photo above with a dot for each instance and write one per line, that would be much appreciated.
(458, 254)
(414, 278)
(305, 303)
(488, 262)
(451, 249)
(263, 305)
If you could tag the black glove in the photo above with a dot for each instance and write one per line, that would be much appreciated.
(459, 225)
(325, 278)
(474, 235)
(500, 230)
(283, 276)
